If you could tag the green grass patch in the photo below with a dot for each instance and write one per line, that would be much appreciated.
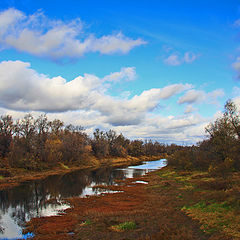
(215, 217)
(208, 208)
(87, 222)
(125, 226)
(168, 174)
(180, 196)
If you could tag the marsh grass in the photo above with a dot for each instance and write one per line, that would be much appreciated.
(215, 217)
(217, 210)
(125, 226)
(213, 201)
(175, 205)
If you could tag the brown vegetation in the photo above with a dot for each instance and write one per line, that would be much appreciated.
(40, 144)
(196, 197)
(174, 205)
(32, 147)
(220, 152)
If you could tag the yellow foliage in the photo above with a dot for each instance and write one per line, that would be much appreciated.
(53, 147)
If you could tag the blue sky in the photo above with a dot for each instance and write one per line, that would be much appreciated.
(149, 69)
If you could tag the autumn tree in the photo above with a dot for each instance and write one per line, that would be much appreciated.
(24, 148)
(224, 138)
(149, 148)
(56, 127)
(136, 148)
(100, 144)
(75, 144)
(42, 127)
(6, 131)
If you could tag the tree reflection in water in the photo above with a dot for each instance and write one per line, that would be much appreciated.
(32, 198)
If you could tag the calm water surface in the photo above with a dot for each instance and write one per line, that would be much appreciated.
(32, 198)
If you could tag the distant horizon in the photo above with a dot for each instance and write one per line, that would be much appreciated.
(148, 69)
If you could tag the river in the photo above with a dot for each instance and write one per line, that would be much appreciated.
(45, 197)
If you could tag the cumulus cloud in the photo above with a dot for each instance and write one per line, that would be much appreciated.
(177, 129)
(126, 74)
(173, 89)
(198, 96)
(187, 128)
(84, 101)
(40, 36)
(192, 96)
(133, 111)
(22, 88)
(175, 59)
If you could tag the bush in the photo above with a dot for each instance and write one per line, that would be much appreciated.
(222, 169)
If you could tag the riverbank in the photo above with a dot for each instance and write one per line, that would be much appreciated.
(173, 205)
(20, 175)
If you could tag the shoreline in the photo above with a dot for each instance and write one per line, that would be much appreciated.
(23, 175)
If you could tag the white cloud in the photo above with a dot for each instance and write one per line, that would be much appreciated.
(173, 89)
(8, 19)
(192, 96)
(175, 59)
(189, 109)
(126, 74)
(84, 101)
(236, 100)
(198, 96)
(177, 129)
(187, 128)
(214, 95)
(115, 43)
(24, 89)
(133, 111)
(40, 36)
(236, 91)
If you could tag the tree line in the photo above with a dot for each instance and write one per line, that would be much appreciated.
(219, 153)
(38, 143)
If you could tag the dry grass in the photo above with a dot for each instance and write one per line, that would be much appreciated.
(173, 206)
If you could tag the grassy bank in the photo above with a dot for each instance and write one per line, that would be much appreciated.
(173, 205)
(18, 175)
